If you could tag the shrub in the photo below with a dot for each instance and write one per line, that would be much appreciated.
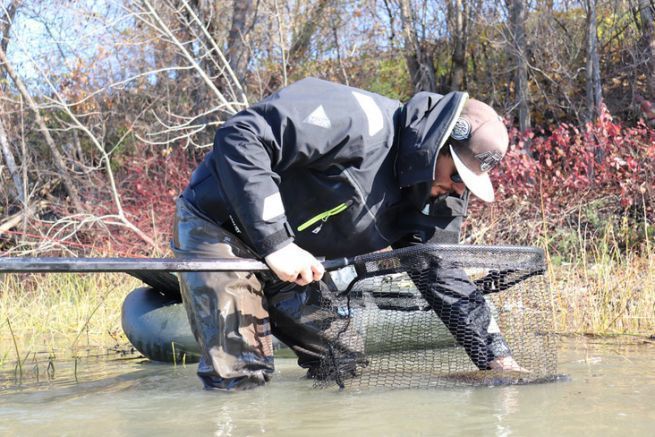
(575, 179)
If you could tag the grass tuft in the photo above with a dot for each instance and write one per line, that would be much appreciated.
(62, 314)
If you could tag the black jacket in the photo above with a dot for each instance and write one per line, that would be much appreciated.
(322, 164)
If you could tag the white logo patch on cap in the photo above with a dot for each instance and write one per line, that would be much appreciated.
(489, 160)
(462, 129)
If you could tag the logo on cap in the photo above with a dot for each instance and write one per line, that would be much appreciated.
(489, 160)
(462, 130)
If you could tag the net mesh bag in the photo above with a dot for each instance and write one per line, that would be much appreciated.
(435, 316)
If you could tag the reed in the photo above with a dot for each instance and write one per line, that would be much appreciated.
(65, 312)
(606, 290)
(611, 290)
(601, 261)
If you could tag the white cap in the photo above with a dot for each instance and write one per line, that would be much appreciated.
(478, 142)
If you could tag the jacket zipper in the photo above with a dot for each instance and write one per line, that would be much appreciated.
(324, 215)
(363, 200)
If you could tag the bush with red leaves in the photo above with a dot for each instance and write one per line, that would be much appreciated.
(148, 183)
(604, 165)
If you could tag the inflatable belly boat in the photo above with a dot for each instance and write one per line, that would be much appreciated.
(156, 323)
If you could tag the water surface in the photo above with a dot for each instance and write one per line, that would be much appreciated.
(611, 392)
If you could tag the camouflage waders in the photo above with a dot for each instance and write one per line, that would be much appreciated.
(233, 315)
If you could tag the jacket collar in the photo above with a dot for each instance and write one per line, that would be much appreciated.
(426, 122)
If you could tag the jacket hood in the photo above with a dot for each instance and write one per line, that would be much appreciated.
(426, 122)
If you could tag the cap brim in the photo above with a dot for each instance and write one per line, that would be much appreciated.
(478, 184)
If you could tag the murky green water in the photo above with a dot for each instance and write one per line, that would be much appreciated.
(611, 392)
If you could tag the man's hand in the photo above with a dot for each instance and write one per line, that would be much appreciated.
(293, 264)
(507, 364)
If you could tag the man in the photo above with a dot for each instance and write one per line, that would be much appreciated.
(322, 169)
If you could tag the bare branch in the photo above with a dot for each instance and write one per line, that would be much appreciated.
(228, 68)
(162, 27)
(59, 161)
(11, 162)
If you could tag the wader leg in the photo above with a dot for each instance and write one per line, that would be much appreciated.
(462, 308)
(227, 310)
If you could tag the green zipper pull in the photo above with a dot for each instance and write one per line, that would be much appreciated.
(323, 216)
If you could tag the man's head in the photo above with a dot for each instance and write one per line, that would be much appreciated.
(477, 143)
(434, 129)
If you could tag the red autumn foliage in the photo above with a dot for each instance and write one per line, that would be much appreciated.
(149, 183)
(570, 167)
(604, 158)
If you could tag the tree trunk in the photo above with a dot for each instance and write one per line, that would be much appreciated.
(518, 17)
(420, 62)
(648, 43)
(458, 21)
(392, 23)
(56, 156)
(302, 39)
(7, 21)
(237, 49)
(593, 89)
(11, 162)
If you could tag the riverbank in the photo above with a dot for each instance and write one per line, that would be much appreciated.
(612, 296)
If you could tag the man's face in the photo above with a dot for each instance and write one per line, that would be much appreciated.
(446, 180)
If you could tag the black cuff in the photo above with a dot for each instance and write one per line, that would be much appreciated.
(275, 241)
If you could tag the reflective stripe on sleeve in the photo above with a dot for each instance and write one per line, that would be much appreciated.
(273, 207)
(372, 111)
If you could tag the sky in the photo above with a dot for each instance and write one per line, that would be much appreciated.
(53, 38)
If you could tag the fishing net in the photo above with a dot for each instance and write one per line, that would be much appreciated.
(434, 316)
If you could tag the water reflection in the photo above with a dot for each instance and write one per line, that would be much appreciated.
(611, 391)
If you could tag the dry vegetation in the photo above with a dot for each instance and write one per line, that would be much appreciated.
(61, 315)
